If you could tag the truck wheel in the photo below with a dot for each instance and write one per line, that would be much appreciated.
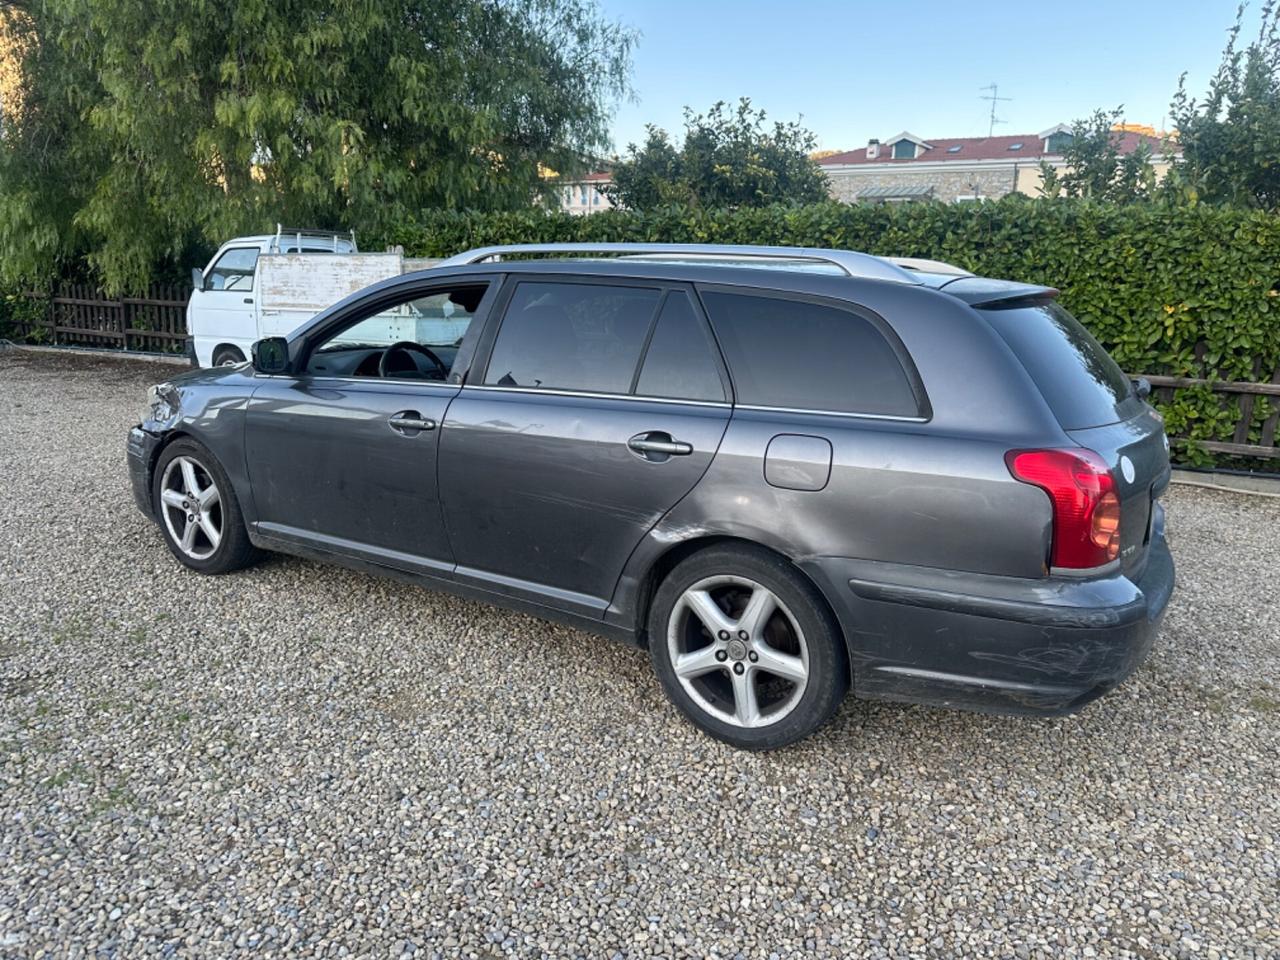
(227, 356)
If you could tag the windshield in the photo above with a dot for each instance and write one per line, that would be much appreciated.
(1078, 379)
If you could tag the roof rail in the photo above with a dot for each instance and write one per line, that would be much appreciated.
(852, 263)
(312, 233)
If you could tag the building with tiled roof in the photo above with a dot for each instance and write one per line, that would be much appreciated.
(583, 195)
(957, 169)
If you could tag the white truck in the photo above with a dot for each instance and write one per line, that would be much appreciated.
(267, 285)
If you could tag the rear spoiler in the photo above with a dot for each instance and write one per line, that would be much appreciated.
(982, 292)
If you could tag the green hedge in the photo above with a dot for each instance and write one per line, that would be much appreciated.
(1185, 291)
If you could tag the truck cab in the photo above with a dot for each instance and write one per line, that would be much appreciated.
(225, 314)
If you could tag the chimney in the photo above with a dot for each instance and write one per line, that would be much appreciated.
(873, 149)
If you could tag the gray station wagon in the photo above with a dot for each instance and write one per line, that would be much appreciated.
(786, 472)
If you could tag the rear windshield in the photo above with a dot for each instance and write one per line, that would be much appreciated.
(1078, 379)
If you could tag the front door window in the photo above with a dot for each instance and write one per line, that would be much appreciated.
(415, 339)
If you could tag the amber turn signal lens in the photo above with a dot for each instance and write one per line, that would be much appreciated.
(1105, 532)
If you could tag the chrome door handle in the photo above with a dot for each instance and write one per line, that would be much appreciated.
(411, 421)
(672, 448)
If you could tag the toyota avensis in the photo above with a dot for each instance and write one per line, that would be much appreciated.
(783, 471)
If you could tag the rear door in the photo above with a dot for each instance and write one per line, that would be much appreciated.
(594, 407)
(1095, 403)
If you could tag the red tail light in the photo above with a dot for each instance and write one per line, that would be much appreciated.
(1086, 509)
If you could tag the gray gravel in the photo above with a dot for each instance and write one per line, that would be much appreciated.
(299, 759)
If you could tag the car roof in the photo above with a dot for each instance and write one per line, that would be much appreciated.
(973, 290)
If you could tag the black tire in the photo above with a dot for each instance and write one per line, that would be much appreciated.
(233, 549)
(227, 356)
(808, 705)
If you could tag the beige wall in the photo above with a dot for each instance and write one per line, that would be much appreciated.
(1030, 179)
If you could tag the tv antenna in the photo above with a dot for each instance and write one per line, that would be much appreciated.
(995, 98)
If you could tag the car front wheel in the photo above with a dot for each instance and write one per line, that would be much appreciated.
(746, 648)
(197, 509)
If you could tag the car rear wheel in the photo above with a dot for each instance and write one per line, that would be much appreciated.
(746, 648)
(197, 509)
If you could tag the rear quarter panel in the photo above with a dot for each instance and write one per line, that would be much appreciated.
(932, 494)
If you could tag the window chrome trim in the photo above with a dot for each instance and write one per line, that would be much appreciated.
(585, 394)
(395, 380)
(311, 377)
(547, 391)
(899, 418)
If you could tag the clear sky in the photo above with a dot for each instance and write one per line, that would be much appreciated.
(859, 69)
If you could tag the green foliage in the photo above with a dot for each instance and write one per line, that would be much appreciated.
(729, 159)
(23, 318)
(150, 126)
(1230, 140)
(1178, 290)
(1095, 167)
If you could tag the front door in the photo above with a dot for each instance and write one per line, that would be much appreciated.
(342, 457)
(601, 405)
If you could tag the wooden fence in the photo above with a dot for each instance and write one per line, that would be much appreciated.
(1238, 445)
(81, 315)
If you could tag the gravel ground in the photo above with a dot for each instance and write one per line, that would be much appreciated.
(299, 759)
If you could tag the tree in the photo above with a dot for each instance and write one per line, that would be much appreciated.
(149, 125)
(1096, 167)
(729, 158)
(1230, 140)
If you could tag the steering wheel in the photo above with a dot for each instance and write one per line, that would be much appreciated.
(405, 346)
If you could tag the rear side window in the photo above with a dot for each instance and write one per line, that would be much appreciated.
(572, 336)
(679, 363)
(808, 356)
(1078, 379)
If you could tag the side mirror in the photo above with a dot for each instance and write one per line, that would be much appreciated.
(1142, 387)
(271, 355)
(197, 278)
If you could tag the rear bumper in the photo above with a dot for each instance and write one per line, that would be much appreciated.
(140, 454)
(995, 644)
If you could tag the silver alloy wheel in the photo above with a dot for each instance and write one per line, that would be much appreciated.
(737, 651)
(192, 507)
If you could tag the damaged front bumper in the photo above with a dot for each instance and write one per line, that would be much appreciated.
(996, 644)
(140, 453)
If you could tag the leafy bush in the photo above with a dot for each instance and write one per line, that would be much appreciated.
(22, 318)
(1178, 290)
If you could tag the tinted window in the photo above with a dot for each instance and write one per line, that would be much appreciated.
(233, 271)
(788, 353)
(679, 362)
(572, 336)
(1080, 382)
